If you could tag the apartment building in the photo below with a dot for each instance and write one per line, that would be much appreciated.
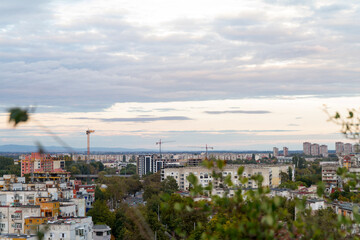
(285, 151)
(324, 151)
(315, 149)
(339, 147)
(39, 163)
(307, 148)
(270, 173)
(348, 148)
(77, 228)
(12, 218)
(275, 151)
(148, 164)
(329, 176)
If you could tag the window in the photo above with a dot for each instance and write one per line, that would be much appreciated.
(16, 225)
(16, 216)
(99, 233)
(79, 232)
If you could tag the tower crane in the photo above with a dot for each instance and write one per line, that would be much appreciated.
(160, 143)
(88, 132)
(206, 149)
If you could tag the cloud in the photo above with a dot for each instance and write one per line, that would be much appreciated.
(139, 119)
(67, 55)
(238, 112)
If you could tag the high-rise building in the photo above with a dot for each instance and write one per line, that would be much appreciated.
(324, 151)
(315, 151)
(356, 148)
(339, 147)
(275, 151)
(348, 148)
(307, 148)
(285, 151)
(148, 164)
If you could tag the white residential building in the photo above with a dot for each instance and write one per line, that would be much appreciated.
(270, 173)
(80, 228)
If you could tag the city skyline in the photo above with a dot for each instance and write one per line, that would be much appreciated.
(235, 76)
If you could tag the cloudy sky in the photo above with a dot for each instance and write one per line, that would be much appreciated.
(234, 74)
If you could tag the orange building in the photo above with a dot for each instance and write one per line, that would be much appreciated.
(31, 223)
(37, 162)
(49, 209)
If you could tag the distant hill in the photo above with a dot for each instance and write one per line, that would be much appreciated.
(28, 148)
(13, 148)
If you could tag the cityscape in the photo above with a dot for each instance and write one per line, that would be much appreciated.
(172, 120)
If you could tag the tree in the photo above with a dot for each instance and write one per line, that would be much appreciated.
(290, 173)
(101, 214)
(284, 177)
(299, 162)
(7, 166)
(169, 185)
(133, 186)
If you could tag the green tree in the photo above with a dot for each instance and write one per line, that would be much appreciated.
(133, 186)
(101, 214)
(284, 177)
(169, 185)
(290, 173)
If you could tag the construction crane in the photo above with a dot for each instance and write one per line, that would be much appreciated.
(206, 152)
(88, 132)
(160, 143)
(206, 149)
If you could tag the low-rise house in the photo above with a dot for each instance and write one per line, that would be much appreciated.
(80, 228)
(101, 232)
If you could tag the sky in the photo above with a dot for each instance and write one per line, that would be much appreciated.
(236, 75)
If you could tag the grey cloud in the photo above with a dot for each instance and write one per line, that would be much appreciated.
(236, 131)
(92, 63)
(165, 109)
(139, 119)
(239, 112)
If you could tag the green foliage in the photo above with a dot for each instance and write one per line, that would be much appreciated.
(323, 224)
(349, 122)
(130, 169)
(83, 168)
(18, 115)
(133, 185)
(290, 174)
(284, 177)
(299, 162)
(310, 175)
(291, 185)
(151, 185)
(169, 185)
(101, 214)
(7, 166)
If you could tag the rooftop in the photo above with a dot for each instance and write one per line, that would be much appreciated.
(101, 227)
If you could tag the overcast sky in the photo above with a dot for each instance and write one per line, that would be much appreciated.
(234, 74)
